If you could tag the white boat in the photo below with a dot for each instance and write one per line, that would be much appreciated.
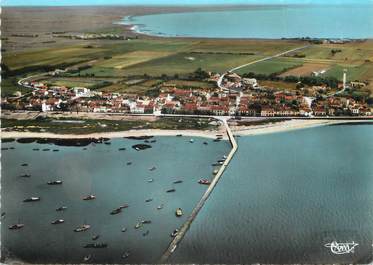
(191, 140)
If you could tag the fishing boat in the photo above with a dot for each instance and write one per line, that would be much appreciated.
(55, 182)
(138, 225)
(146, 233)
(89, 197)
(95, 237)
(178, 181)
(126, 255)
(32, 199)
(96, 245)
(174, 233)
(87, 258)
(179, 212)
(171, 190)
(58, 221)
(159, 207)
(16, 226)
(62, 208)
(82, 228)
(204, 181)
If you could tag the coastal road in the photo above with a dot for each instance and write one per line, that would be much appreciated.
(220, 80)
(184, 228)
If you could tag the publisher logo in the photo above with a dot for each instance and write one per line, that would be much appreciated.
(341, 248)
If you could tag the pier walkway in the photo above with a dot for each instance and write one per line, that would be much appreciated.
(184, 228)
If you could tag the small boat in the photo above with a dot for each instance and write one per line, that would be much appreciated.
(4, 148)
(217, 140)
(87, 258)
(46, 149)
(16, 226)
(62, 208)
(179, 135)
(215, 164)
(146, 221)
(32, 199)
(153, 141)
(174, 233)
(146, 233)
(204, 181)
(215, 171)
(122, 149)
(85, 148)
(11, 148)
(55, 150)
(95, 237)
(138, 225)
(159, 207)
(82, 228)
(179, 212)
(107, 143)
(25, 176)
(35, 149)
(205, 143)
(150, 180)
(55, 182)
(96, 245)
(224, 157)
(124, 229)
(2, 215)
(89, 197)
(171, 190)
(124, 206)
(58, 221)
(152, 168)
(191, 141)
(126, 255)
(146, 141)
(24, 165)
(220, 163)
(116, 211)
(178, 182)
(148, 200)
(129, 163)
(221, 160)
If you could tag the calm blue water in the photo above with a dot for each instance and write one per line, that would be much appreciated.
(343, 21)
(284, 196)
(100, 170)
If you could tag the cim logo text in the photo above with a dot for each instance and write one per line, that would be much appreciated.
(341, 248)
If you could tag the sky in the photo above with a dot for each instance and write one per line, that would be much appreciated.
(170, 2)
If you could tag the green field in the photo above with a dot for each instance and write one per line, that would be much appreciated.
(276, 65)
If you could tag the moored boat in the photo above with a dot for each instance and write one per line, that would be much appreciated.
(124, 229)
(148, 200)
(174, 233)
(58, 221)
(126, 255)
(179, 212)
(95, 237)
(215, 172)
(129, 163)
(89, 197)
(191, 140)
(16, 226)
(146, 221)
(62, 208)
(82, 228)
(55, 182)
(24, 165)
(152, 168)
(204, 181)
(178, 181)
(159, 207)
(138, 225)
(96, 245)
(150, 180)
(32, 199)
(116, 211)
(171, 190)
(25, 176)
(87, 258)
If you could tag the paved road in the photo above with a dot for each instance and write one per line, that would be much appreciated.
(219, 82)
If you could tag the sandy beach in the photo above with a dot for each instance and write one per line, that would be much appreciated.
(286, 126)
(237, 130)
